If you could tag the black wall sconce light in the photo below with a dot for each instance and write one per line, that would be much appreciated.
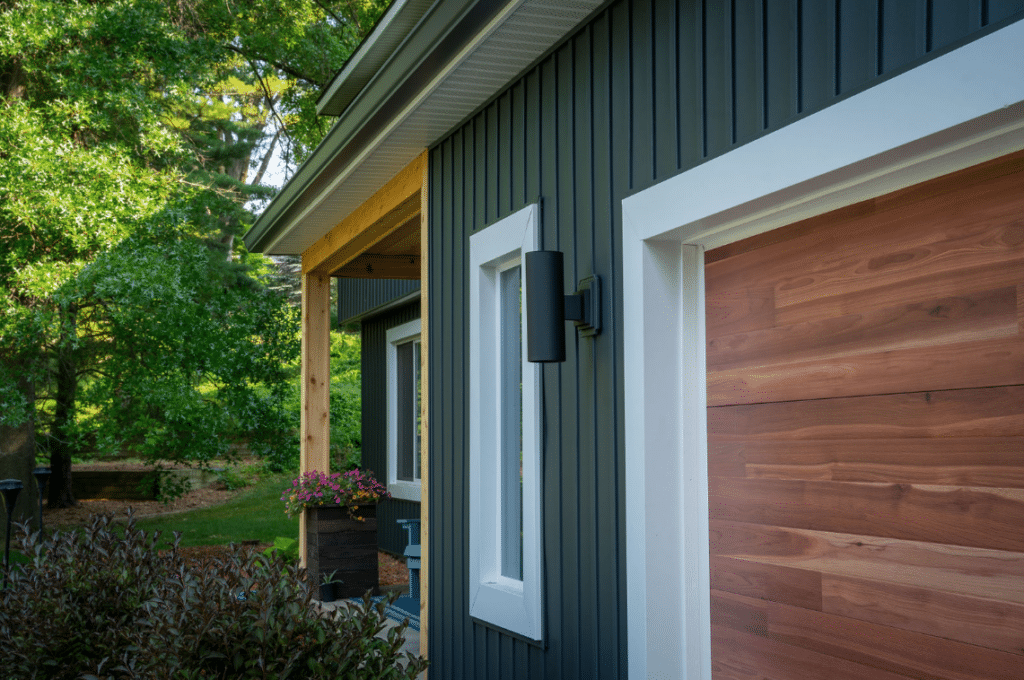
(547, 309)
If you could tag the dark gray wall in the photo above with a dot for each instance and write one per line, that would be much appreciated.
(358, 296)
(390, 536)
(646, 90)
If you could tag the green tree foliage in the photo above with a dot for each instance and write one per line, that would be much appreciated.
(129, 130)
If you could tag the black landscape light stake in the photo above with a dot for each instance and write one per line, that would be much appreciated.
(10, 489)
(42, 475)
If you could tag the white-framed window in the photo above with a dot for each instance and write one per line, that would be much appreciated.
(404, 426)
(505, 587)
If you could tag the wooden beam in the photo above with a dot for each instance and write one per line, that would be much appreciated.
(424, 414)
(384, 212)
(370, 266)
(315, 427)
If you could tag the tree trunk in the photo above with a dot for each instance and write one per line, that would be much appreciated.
(60, 495)
(12, 80)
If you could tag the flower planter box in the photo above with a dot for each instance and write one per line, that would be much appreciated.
(348, 547)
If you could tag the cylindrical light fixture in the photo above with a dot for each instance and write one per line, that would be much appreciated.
(545, 307)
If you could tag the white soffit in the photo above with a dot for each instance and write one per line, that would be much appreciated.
(517, 37)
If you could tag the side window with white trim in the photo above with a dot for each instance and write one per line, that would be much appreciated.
(504, 457)
(404, 394)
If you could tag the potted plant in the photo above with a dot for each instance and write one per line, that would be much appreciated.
(341, 528)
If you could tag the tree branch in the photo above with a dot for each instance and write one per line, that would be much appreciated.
(266, 158)
(328, 10)
(276, 64)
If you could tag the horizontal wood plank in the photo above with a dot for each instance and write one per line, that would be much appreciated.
(898, 253)
(983, 315)
(968, 365)
(751, 557)
(887, 648)
(988, 412)
(776, 582)
(884, 296)
(986, 623)
(789, 546)
(912, 242)
(966, 516)
(968, 461)
(738, 654)
(961, 183)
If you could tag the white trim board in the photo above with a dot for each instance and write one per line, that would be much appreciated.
(955, 111)
(511, 604)
(407, 332)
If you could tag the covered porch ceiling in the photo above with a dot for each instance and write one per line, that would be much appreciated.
(396, 256)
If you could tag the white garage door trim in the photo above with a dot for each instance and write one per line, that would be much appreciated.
(953, 112)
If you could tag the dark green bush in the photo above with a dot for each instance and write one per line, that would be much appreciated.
(106, 605)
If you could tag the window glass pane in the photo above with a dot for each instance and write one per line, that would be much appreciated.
(511, 455)
(404, 407)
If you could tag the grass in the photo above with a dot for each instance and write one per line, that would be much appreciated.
(257, 514)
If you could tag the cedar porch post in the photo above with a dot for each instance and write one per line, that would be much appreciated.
(424, 411)
(315, 426)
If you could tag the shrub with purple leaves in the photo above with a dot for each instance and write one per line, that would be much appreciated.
(108, 604)
(347, 489)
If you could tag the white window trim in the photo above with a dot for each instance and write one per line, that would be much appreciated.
(399, 335)
(510, 604)
(950, 113)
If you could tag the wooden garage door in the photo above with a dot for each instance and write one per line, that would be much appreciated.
(866, 439)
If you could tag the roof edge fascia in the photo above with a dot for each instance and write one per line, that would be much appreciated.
(400, 18)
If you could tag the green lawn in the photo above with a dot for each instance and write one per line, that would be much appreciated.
(257, 514)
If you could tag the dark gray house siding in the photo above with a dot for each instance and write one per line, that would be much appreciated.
(356, 297)
(390, 536)
(646, 90)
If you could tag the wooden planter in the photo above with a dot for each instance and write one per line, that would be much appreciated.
(348, 547)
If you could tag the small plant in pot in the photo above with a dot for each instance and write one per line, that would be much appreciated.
(341, 529)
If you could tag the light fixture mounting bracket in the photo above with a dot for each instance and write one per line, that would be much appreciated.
(584, 306)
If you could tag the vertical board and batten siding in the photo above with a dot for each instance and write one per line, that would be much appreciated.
(358, 296)
(644, 91)
(390, 536)
(866, 438)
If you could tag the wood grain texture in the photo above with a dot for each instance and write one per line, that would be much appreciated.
(775, 582)
(866, 438)
(947, 233)
(746, 656)
(967, 516)
(886, 648)
(974, 316)
(989, 412)
(987, 623)
(916, 369)
(758, 552)
(967, 461)
(941, 285)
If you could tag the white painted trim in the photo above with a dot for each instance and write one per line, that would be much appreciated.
(953, 112)
(507, 603)
(396, 336)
